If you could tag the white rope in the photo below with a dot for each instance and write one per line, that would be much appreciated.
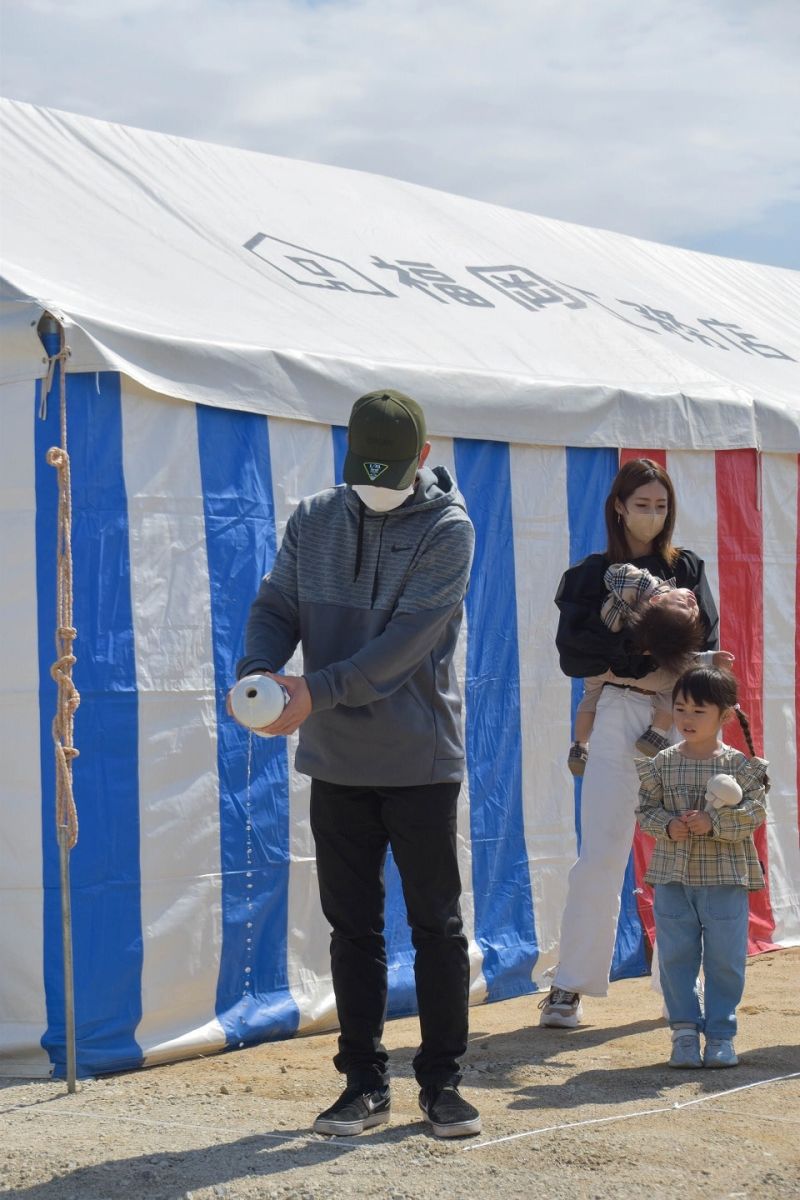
(747, 1114)
(647, 1112)
(367, 1145)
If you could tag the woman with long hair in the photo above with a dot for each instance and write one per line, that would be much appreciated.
(640, 515)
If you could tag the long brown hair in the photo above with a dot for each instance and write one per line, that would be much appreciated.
(635, 474)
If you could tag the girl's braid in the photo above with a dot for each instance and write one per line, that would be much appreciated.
(748, 737)
(745, 724)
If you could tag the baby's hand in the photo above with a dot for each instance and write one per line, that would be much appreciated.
(722, 660)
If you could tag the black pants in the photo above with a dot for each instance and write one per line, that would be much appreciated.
(352, 828)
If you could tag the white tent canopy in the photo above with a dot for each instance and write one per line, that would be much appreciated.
(222, 311)
(281, 287)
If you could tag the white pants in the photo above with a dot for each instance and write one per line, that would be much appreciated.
(609, 797)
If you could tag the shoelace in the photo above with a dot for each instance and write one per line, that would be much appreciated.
(559, 996)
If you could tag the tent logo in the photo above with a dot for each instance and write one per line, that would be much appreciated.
(375, 470)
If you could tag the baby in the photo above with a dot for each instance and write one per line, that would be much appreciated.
(663, 621)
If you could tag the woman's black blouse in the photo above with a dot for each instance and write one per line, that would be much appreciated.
(588, 647)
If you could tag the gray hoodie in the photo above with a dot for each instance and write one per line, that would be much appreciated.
(376, 600)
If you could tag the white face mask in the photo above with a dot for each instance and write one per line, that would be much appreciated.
(380, 499)
(644, 525)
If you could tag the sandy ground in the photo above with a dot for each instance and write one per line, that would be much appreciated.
(591, 1112)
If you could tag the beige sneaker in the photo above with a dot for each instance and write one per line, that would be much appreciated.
(652, 743)
(577, 757)
(561, 1009)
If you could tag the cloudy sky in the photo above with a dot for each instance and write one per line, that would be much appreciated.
(677, 120)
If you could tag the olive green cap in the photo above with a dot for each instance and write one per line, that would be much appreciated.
(385, 437)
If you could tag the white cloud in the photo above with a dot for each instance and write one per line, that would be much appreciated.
(672, 119)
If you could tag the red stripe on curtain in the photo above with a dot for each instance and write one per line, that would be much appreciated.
(659, 456)
(741, 586)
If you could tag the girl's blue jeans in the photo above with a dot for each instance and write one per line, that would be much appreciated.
(705, 925)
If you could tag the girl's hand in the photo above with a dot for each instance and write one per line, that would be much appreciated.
(698, 822)
(677, 831)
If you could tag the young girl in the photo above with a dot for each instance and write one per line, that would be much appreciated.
(703, 865)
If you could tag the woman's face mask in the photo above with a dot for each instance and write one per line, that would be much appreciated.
(644, 525)
(380, 499)
(644, 512)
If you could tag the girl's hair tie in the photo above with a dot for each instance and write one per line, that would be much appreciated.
(738, 707)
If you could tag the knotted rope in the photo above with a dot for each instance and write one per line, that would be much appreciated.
(68, 698)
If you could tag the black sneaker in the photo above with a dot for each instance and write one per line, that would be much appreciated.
(355, 1111)
(448, 1113)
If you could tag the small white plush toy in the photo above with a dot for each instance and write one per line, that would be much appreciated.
(722, 791)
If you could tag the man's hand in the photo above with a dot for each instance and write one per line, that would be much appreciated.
(677, 831)
(697, 821)
(723, 660)
(296, 710)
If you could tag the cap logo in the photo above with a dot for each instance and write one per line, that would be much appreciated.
(375, 470)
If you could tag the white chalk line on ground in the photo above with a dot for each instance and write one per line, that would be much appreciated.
(325, 1144)
(646, 1112)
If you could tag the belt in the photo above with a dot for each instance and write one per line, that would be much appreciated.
(628, 687)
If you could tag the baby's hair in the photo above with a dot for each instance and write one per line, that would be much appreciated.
(672, 636)
(710, 685)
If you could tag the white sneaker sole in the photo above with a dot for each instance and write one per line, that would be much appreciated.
(349, 1128)
(462, 1129)
(562, 1020)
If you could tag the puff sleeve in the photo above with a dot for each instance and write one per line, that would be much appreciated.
(653, 818)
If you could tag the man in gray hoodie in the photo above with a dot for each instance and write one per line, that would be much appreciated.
(371, 578)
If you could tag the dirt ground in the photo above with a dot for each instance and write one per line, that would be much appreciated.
(583, 1113)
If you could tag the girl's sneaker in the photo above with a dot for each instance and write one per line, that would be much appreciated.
(685, 1049)
(577, 757)
(719, 1052)
(652, 743)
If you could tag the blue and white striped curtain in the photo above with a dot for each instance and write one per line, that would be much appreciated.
(196, 916)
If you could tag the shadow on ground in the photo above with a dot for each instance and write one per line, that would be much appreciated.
(169, 1176)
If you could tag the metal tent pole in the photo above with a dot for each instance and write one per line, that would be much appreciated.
(53, 338)
(66, 941)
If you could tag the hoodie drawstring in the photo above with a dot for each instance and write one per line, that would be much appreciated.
(377, 564)
(359, 539)
(360, 551)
